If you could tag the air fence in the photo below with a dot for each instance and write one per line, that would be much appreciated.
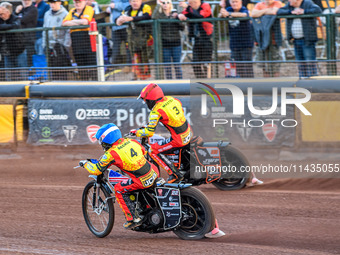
(150, 59)
(69, 113)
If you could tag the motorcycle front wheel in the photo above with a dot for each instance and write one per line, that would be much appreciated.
(232, 158)
(98, 209)
(198, 217)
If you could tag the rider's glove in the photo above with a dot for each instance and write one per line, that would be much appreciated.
(133, 132)
(82, 163)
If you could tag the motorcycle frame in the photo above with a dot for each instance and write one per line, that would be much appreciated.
(101, 180)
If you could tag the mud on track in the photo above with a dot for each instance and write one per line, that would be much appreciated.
(40, 213)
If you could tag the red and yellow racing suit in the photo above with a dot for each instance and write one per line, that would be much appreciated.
(127, 155)
(170, 113)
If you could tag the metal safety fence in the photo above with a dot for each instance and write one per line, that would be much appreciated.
(173, 49)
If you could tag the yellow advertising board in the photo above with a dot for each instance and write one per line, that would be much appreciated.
(7, 123)
(324, 124)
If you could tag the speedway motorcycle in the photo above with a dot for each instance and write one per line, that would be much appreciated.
(218, 163)
(179, 207)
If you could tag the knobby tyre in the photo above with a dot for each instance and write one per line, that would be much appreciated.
(98, 211)
(198, 217)
(232, 158)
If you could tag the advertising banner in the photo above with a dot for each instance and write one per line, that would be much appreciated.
(74, 122)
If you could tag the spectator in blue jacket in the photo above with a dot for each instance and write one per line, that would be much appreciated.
(303, 32)
(119, 33)
(241, 37)
(42, 9)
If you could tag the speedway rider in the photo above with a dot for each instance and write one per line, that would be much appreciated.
(169, 111)
(128, 156)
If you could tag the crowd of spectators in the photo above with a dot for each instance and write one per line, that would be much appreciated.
(134, 40)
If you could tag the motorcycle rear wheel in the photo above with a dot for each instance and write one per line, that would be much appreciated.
(232, 157)
(98, 211)
(198, 217)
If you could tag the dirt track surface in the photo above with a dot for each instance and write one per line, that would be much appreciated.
(40, 213)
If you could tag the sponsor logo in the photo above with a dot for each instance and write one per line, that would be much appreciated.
(173, 204)
(46, 114)
(33, 114)
(165, 148)
(202, 152)
(211, 161)
(160, 192)
(173, 158)
(219, 131)
(91, 114)
(46, 132)
(269, 132)
(91, 131)
(148, 179)
(69, 132)
(156, 139)
(130, 117)
(175, 193)
(213, 151)
(244, 132)
(168, 214)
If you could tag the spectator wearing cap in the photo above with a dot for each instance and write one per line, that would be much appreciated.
(28, 14)
(59, 41)
(171, 37)
(12, 45)
(81, 45)
(42, 9)
(119, 33)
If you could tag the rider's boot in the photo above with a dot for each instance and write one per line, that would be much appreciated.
(176, 175)
(130, 224)
(136, 220)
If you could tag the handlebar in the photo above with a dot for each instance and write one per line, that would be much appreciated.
(144, 140)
